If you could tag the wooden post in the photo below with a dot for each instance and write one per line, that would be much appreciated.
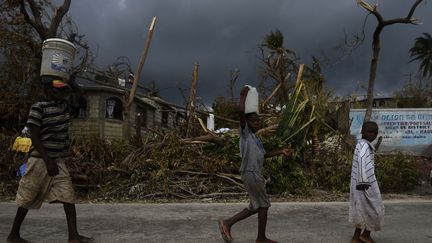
(299, 78)
(138, 124)
(192, 100)
(136, 79)
(300, 73)
(271, 95)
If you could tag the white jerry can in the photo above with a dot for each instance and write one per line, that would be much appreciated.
(252, 101)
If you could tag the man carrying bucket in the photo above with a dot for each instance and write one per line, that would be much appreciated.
(47, 177)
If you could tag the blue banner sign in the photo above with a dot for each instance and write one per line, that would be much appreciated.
(403, 130)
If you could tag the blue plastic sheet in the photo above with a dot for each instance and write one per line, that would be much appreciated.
(22, 170)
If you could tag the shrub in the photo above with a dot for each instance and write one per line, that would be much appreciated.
(397, 173)
(286, 176)
(333, 171)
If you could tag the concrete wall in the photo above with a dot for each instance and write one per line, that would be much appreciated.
(88, 126)
(84, 127)
(113, 129)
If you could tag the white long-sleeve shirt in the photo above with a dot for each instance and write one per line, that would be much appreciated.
(363, 167)
(366, 208)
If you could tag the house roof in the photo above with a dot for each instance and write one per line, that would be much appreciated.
(94, 85)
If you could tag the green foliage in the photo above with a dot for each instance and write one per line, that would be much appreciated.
(116, 170)
(296, 118)
(278, 65)
(274, 40)
(224, 158)
(413, 95)
(286, 176)
(333, 170)
(422, 52)
(396, 173)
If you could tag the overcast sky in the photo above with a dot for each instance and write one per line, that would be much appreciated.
(222, 35)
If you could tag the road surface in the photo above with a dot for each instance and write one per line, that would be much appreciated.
(407, 221)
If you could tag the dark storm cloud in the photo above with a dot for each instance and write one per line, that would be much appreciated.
(223, 34)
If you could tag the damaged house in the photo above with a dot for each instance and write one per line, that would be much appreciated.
(100, 111)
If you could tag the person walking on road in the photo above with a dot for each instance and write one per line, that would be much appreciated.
(46, 176)
(366, 210)
(252, 154)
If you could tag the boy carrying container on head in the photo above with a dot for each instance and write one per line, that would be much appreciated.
(366, 210)
(252, 154)
(47, 177)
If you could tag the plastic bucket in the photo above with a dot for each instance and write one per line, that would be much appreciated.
(57, 58)
(252, 101)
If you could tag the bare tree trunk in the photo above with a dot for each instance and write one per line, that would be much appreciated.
(376, 45)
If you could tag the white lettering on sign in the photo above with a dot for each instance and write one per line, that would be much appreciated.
(403, 130)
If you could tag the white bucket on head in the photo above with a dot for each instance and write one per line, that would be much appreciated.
(252, 101)
(57, 58)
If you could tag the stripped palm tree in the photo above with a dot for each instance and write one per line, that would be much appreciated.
(422, 52)
(279, 63)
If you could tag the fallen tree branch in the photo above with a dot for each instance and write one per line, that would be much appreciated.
(224, 176)
(267, 129)
(206, 138)
(222, 194)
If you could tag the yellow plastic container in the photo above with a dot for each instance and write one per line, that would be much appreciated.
(22, 144)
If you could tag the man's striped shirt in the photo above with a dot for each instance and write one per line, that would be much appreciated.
(53, 119)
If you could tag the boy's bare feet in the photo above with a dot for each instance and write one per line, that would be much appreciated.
(225, 231)
(82, 239)
(16, 240)
(366, 239)
(266, 241)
